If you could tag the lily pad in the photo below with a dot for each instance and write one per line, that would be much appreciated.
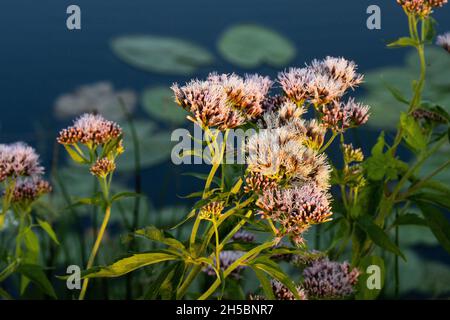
(161, 54)
(385, 109)
(249, 46)
(154, 147)
(159, 103)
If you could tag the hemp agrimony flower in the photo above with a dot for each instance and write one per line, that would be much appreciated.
(421, 8)
(326, 279)
(17, 160)
(444, 41)
(94, 141)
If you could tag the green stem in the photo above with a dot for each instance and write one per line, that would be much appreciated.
(95, 249)
(247, 257)
(329, 142)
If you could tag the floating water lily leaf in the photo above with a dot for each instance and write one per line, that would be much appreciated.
(154, 147)
(249, 46)
(385, 111)
(159, 103)
(161, 54)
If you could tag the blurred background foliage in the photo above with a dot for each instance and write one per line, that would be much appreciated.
(174, 41)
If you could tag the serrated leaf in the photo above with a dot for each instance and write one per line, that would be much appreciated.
(153, 233)
(124, 195)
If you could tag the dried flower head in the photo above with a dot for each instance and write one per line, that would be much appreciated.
(296, 208)
(444, 41)
(103, 167)
(352, 155)
(227, 258)
(18, 159)
(421, 7)
(90, 129)
(326, 279)
(96, 98)
(281, 292)
(29, 189)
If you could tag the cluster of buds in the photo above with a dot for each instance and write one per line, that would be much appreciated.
(212, 209)
(281, 292)
(352, 155)
(21, 171)
(227, 258)
(326, 279)
(295, 209)
(103, 167)
(94, 132)
(26, 191)
(342, 116)
(243, 236)
(422, 8)
(257, 183)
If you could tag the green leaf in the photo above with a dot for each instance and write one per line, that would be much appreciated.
(403, 42)
(130, 263)
(31, 241)
(49, 230)
(201, 176)
(124, 195)
(159, 103)
(435, 198)
(429, 24)
(265, 284)
(438, 223)
(37, 276)
(75, 155)
(412, 133)
(410, 219)
(397, 94)
(161, 54)
(364, 293)
(249, 46)
(153, 233)
(273, 270)
(10, 269)
(95, 200)
(155, 286)
(378, 236)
